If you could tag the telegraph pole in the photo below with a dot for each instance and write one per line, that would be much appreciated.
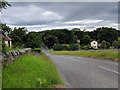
(78, 41)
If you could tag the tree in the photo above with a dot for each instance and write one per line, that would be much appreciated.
(86, 40)
(108, 45)
(107, 34)
(103, 44)
(115, 44)
(5, 29)
(79, 34)
(50, 40)
(18, 36)
(33, 40)
(3, 5)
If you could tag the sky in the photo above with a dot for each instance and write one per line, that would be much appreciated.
(39, 16)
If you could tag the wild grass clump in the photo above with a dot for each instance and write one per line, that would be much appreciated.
(112, 54)
(31, 71)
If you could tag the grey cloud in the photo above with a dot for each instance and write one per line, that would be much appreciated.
(56, 14)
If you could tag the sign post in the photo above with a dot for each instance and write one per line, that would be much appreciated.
(78, 41)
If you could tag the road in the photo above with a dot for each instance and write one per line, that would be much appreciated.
(84, 72)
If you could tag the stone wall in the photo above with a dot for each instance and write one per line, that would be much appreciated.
(10, 56)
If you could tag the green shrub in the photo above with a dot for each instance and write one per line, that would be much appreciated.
(5, 49)
(86, 47)
(66, 47)
(39, 50)
(74, 46)
(58, 47)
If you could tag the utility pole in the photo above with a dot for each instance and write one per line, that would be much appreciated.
(78, 41)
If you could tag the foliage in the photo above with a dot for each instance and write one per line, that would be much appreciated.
(5, 49)
(31, 71)
(116, 44)
(39, 50)
(108, 45)
(50, 40)
(103, 44)
(86, 40)
(59, 47)
(5, 29)
(86, 47)
(104, 33)
(74, 47)
(33, 40)
(4, 4)
(18, 36)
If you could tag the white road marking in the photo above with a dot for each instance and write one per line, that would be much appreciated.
(108, 69)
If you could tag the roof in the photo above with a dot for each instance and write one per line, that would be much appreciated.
(94, 41)
(5, 37)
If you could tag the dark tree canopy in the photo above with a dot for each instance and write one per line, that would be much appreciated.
(49, 38)
(3, 5)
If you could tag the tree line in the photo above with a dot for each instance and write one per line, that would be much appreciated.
(109, 37)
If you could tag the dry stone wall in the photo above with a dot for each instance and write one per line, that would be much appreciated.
(10, 56)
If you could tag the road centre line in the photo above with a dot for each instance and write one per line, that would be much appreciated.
(108, 69)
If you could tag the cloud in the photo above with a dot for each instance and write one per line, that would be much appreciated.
(84, 22)
(29, 15)
(55, 15)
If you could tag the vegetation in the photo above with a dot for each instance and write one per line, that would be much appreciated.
(113, 55)
(106, 37)
(4, 4)
(31, 71)
(59, 47)
(39, 50)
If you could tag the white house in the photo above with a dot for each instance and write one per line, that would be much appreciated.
(94, 44)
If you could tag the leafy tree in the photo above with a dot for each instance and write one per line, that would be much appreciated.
(86, 40)
(33, 40)
(18, 36)
(103, 44)
(105, 33)
(108, 45)
(3, 5)
(115, 44)
(79, 34)
(50, 40)
(5, 29)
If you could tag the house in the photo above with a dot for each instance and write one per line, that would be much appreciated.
(7, 40)
(94, 44)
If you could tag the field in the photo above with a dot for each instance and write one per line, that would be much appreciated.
(31, 71)
(110, 54)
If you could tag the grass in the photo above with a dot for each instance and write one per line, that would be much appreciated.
(112, 55)
(31, 71)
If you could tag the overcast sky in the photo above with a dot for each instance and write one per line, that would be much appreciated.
(58, 15)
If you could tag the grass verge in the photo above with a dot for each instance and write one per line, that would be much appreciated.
(31, 71)
(112, 55)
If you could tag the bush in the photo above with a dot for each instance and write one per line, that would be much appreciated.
(66, 47)
(74, 46)
(58, 47)
(5, 49)
(39, 50)
(86, 47)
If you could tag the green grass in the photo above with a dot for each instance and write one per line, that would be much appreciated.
(30, 72)
(112, 55)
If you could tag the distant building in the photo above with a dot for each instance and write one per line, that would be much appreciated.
(7, 40)
(94, 44)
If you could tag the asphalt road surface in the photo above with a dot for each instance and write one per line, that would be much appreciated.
(84, 72)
